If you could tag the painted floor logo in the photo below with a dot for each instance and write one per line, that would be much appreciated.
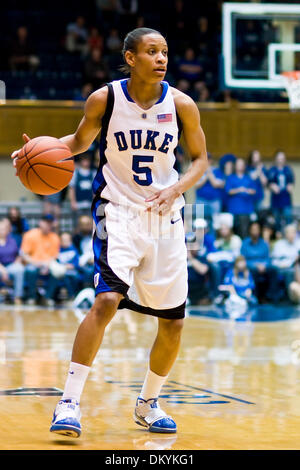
(33, 391)
(175, 392)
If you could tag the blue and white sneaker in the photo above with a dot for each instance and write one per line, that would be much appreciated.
(66, 418)
(148, 413)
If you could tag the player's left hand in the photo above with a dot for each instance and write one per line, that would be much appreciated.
(15, 154)
(163, 200)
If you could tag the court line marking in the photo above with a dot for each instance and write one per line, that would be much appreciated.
(210, 391)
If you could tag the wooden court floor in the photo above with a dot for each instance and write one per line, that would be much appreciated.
(236, 385)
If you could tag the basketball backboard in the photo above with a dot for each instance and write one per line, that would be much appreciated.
(260, 41)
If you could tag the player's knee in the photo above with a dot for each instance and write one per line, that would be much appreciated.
(105, 306)
(172, 328)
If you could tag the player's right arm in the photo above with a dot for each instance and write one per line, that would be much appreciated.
(90, 125)
(88, 128)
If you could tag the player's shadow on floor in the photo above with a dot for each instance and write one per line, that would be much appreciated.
(69, 443)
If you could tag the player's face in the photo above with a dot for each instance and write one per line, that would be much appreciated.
(151, 58)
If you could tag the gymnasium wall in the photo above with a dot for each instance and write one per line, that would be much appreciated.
(230, 128)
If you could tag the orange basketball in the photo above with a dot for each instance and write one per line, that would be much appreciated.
(45, 165)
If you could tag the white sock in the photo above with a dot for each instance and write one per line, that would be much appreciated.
(152, 385)
(77, 376)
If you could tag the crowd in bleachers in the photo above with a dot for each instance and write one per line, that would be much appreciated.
(247, 245)
(245, 248)
(46, 55)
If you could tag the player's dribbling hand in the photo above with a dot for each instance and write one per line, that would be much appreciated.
(15, 154)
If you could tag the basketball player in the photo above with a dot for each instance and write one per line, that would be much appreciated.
(140, 120)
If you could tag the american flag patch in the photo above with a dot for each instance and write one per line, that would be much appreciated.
(164, 117)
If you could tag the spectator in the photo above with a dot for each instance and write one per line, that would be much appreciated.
(113, 42)
(258, 173)
(68, 276)
(268, 234)
(83, 241)
(228, 247)
(240, 190)
(226, 165)
(256, 252)
(189, 68)
(19, 224)
(77, 36)
(96, 70)
(285, 254)
(197, 275)
(83, 235)
(294, 286)
(11, 267)
(239, 281)
(85, 92)
(281, 183)
(39, 247)
(22, 56)
(80, 187)
(209, 189)
(95, 40)
(206, 241)
(201, 92)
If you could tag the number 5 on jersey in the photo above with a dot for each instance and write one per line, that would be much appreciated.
(144, 170)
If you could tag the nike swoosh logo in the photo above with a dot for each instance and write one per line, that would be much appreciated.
(71, 372)
(174, 221)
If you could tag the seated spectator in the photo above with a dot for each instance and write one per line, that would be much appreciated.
(258, 173)
(83, 242)
(206, 245)
(11, 267)
(285, 254)
(281, 183)
(68, 276)
(294, 286)
(39, 247)
(22, 54)
(96, 70)
(19, 224)
(240, 190)
(239, 281)
(227, 246)
(80, 187)
(201, 92)
(113, 42)
(197, 275)
(227, 243)
(85, 92)
(209, 189)
(95, 39)
(189, 68)
(256, 252)
(77, 36)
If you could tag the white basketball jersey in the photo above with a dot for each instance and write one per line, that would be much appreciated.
(137, 148)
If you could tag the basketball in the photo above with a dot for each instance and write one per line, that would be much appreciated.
(45, 165)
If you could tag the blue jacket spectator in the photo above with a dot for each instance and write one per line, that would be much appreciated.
(256, 252)
(281, 182)
(240, 190)
(240, 281)
(226, 165)
(259, 174)
(81, 192)
(209, 189)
